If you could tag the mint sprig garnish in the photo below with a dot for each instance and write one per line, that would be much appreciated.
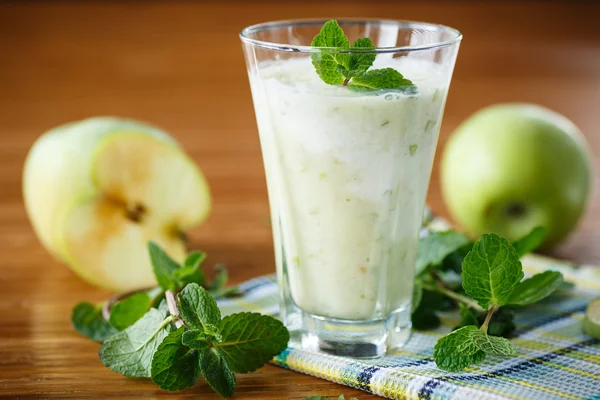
(492, 285)
(339, 63)
(175, 333)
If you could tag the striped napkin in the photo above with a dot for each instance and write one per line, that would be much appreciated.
(554, 360)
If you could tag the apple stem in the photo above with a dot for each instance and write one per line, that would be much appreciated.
(172, 304)
(116, 298)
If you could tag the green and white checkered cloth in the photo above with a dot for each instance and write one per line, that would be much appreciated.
(554, 360)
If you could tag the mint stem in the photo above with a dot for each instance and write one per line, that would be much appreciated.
(488, 318)
(172, 304)
(453, 295)
(346, 81)
(438, 279)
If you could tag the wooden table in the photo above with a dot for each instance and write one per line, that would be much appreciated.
(180, 66)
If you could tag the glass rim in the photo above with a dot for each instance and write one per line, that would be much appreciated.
(264, 26)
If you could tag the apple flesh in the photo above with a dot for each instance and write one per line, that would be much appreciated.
(98, 190)
(512, 167)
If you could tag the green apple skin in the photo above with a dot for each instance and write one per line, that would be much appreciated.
(512, 167)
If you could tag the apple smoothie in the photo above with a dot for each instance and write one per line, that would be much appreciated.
(347, 173)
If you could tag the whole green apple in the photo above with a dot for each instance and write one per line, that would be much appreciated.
(512, 167)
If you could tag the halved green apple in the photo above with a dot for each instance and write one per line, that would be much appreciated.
(97, 191)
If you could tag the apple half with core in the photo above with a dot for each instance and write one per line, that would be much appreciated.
(97, 190)
(512, 167)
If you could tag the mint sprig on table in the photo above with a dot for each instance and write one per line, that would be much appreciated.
(339, 63)
(484, 280)
(175, 333)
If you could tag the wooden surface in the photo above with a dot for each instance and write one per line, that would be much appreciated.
(180, 66)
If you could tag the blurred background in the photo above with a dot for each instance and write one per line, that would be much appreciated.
(179, 65)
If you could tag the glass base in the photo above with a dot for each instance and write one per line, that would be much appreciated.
(348, 338)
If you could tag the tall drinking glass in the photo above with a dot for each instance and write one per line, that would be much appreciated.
(347, 175)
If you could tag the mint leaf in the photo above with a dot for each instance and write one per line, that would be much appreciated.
(87, 319)
(130, 351)
(220, 279)
(491, 271)
(436, 246)
(531, 241)
(190, 271)
(536, 288)
(175, 366)
(359, 63)
(386, 78)
(217, 373)
(197, 339)
(229, 292)
(198, 309)
(251, 339)
(492, 344)
(194, 259)
(164, 267)
(566, 286)
(217, 286)
(326, 61)
(126, 312)
(457, 350)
